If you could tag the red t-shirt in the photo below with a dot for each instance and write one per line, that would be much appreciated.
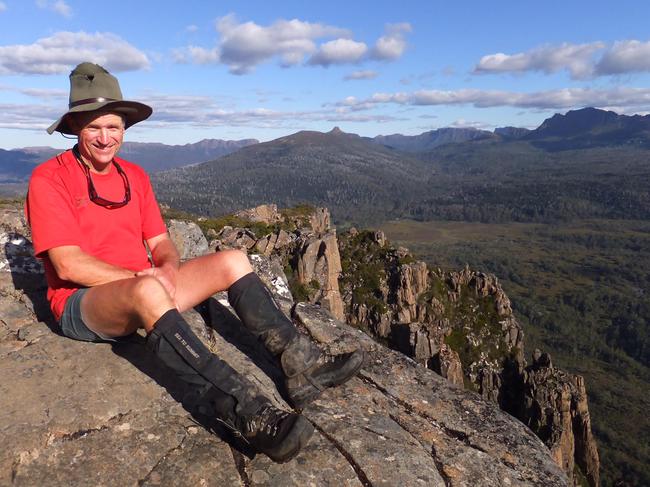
(60, 212)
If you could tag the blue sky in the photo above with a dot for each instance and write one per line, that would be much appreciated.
(235, 69)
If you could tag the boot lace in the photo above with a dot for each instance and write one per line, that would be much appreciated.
(326, 358)
(267, 420)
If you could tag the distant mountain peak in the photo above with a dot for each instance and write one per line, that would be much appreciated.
(336, 131)
(591, 127)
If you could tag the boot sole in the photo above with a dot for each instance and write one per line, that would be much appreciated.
(297, 438)
(304, 394)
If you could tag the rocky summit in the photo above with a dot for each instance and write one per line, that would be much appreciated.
(74, 413)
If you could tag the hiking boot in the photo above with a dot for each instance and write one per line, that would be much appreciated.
(327, 371)
(216, 394)
(278, 434)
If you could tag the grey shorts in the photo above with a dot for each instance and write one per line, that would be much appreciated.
(72, 323)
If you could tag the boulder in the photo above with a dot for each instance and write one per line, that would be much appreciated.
(188, 238)
(267, 214)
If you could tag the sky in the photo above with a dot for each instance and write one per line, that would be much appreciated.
(260, 69)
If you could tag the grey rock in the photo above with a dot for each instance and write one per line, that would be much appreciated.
(267, 214)
(188, 238)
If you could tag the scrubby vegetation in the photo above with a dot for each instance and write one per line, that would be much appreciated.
(293, 218)
(364, 264)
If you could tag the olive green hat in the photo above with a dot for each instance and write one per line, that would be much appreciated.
(92, 88)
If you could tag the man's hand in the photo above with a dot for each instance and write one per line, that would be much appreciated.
(166, 262)
(166, 274)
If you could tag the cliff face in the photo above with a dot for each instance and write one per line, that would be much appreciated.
(304, 240)
(75, 413)
(555, 408)
(461, 325)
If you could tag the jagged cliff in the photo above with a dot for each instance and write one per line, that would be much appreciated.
(459, 324)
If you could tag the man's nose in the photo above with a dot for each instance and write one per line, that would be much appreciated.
(103, 136)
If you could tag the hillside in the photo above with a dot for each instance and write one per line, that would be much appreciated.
(431, 139)
(579, 290)
(342, 171)
(156, 157)
(590, 127)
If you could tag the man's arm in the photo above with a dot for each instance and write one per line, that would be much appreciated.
(163, 251)
(73, 264)
(166, 261)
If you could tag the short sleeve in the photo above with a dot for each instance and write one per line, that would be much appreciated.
(51, 214)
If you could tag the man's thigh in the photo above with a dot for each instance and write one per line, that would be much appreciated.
(200, 278)
(119, 308)
(73, 325)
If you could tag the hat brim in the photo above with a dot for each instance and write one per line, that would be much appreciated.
(133, 112)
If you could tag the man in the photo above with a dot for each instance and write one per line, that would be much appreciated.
(91, 214)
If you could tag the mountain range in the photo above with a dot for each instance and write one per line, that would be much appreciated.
(16, 165)
(509, 175)
(350, 173)
(577, 129)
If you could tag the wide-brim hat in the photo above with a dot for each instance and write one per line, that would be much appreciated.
(92, 88)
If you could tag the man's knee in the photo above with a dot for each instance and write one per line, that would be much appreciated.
(147, 291)
(239, 260)
(234, 263)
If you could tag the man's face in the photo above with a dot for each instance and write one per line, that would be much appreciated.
(101, 138)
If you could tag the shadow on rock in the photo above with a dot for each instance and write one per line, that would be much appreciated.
(227, 325)
(28, 277)
(133, 349)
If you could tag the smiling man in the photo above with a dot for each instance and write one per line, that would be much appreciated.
(93, 217)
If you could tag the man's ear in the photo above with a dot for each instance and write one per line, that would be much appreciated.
(73, 124)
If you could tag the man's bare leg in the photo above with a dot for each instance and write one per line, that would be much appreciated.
(121, 307)
(200, 278)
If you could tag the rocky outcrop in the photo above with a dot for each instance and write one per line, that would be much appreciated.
(304, 242)
(75, 413)
(188, 238)
(318, 264)
(555, 408)
(461, 325)
(267, 214)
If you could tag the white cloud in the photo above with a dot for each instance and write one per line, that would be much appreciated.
(461, 123)
(192, 28)
(58, 6)
(198, 55)
(28, 117)
(578, 59)
(201, 111)
(339, 51)
(42, 93)
(244, 45)
(625, 57)
(630, 98)
(355, 75)
(3, 6)
(62, 51)
(392, 45)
